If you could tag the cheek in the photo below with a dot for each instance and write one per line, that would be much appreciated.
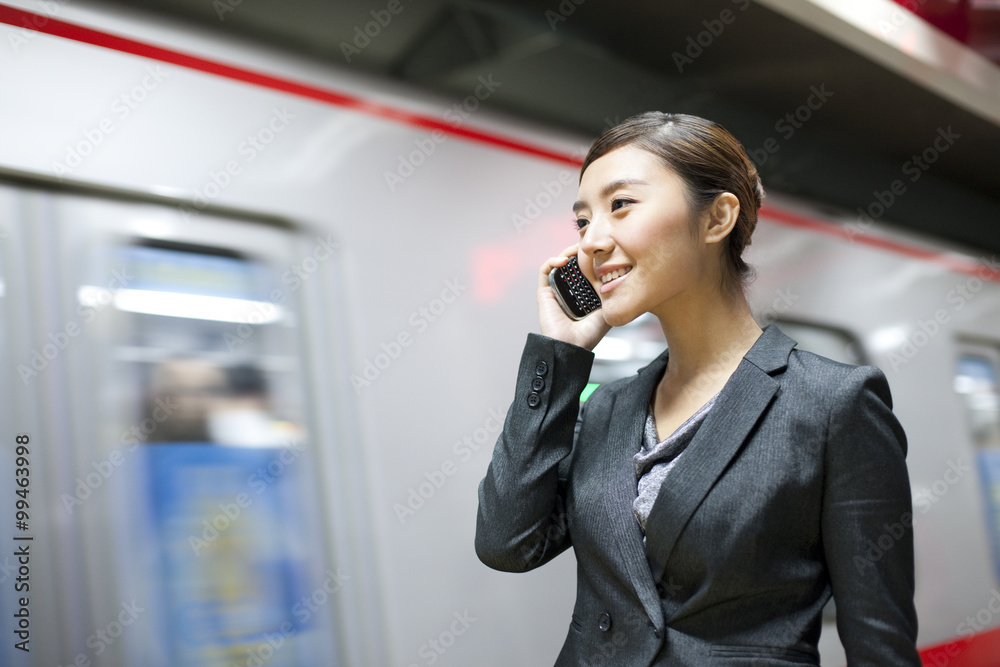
(586, 263)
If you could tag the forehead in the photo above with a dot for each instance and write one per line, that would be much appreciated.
(626, 164)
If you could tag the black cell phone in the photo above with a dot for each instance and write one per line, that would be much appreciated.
(574, 292)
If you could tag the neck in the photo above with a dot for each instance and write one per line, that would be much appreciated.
(707, 334)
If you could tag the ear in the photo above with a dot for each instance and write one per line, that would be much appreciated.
(721, 217)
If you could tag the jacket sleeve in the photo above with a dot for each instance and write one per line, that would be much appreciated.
(522, 520)
(867, 524)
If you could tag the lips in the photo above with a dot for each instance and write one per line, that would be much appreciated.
(617, 273)
(611, 279)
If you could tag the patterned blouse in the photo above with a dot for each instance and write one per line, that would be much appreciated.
(656, 459)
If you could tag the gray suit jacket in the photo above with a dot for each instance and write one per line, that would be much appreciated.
(794, 487)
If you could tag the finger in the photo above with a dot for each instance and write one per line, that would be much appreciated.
(560, 260)
(546, 268)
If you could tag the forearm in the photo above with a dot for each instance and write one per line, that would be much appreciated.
(521, 522)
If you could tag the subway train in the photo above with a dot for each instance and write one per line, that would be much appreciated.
(260, 326)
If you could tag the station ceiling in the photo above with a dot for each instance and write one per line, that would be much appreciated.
(821, 120)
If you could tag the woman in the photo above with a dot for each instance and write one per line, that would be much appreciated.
(717, 499)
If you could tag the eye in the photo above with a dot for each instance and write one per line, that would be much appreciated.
(580, 223)
(619, 202)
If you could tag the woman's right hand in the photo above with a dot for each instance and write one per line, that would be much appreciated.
(555, 323)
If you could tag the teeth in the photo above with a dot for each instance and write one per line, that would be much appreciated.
(608, 277)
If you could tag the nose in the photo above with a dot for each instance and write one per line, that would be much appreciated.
(596, 237)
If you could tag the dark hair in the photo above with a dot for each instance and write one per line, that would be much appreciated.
(709, 160)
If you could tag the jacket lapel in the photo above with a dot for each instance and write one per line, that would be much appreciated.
(739, 406)
(624, 440)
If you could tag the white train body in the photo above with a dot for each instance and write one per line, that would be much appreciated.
(400, 266)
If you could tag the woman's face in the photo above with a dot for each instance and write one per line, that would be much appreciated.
(636, 242)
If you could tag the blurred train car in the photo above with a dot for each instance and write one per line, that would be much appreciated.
(260, 322)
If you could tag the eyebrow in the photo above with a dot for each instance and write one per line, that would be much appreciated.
(609, 188)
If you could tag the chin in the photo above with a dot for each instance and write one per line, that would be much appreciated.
(617, 317)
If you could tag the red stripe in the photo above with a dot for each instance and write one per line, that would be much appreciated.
(983, 269)
(981, 650)
(45, 24)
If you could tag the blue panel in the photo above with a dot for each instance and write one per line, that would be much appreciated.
(235, 561)
(989, 469)
(977, 368)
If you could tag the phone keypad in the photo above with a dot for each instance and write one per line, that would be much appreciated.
(580, 288)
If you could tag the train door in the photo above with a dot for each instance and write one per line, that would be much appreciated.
(184, 519)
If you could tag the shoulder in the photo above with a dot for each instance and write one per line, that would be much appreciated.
(837, 381)
(854, 401)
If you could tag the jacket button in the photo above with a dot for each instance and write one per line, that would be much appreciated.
(541, 368)
(533, 400)
(538, 384)
(604, 621)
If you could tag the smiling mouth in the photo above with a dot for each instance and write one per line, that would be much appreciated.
(618, 273)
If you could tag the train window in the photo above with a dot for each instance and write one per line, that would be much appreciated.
(193, 331)
(976, 385)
